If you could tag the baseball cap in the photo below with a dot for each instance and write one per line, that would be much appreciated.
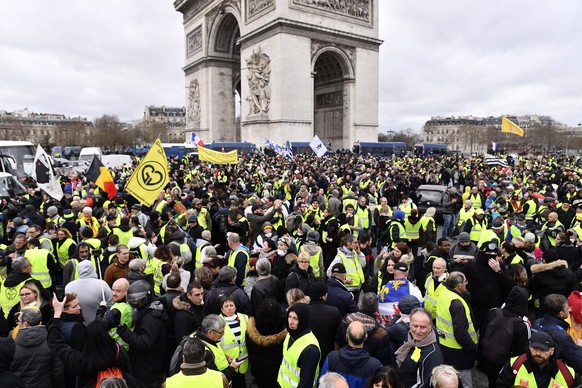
(541, 340)
(402, 267)
(338, 268)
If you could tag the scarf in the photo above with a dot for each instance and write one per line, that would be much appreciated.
(403, 351)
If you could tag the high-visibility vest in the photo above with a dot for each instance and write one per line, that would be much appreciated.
(232, 257)
(202, 218)
(162, 234)
(353, 269)
(551, 239)
(531, 210)
(234, 349)
(477, 228)
(487, 236)
(313, 261)
(42, 240)
(38, 260)
(10, 296)
(208, 379)
(123, 236)
(63, 251)
(444, 320)
(219, 357)
(401, 232)
(363, 217)
(431, 295)
(425, 221)
(464, 215)
(289, 371)
(347, 201)
(95, 243)
(126, 319)
(199, 248)
(75, 262)
(158, 276)
(407, 208)
(324, 232)
(476, 200)
(412, 231)
(523, 378)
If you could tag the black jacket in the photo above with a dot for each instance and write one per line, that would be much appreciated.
(263, 289)
(147, 342)
(265, 352)
(338, 296)
(324, 321)
(187, 318)
(299, 278)
(552, 278)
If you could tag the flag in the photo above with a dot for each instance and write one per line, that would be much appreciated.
(289, 149)
(492, 160)
(44, 175)
(217, 157)
(493, 145)
(150, 177)
(196, 140)
(509, 126)
(279, 150)
(317, 146)
(99, 174)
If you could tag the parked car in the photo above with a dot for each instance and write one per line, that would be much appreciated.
(431, 196)
(9, 182)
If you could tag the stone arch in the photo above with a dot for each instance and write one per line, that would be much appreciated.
(223, 32)
(333, 76)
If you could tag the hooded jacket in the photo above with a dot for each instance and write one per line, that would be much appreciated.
(552, 278)
(89, 289)
(299, 278)
(34, 361)
(7, 378)
(266, 351)
(355, 364)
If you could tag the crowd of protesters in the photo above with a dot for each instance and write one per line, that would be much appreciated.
(297, 272)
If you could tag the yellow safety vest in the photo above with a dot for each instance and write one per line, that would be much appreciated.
(63, 251)
(431, 295)
(10, 296)
(551, 239)
(126, 319)
(158, 277)
(313, 261)
(464, 215)
(353, 269)
(208, 379)
(476, 200)
(199, 248)
(232, 257)
(234, 349)
(444, 320)
(412, 231)
(401, 232)
(289, 371)
(523, 378)
(38, 260)
(477, 228)
(363, 217)
(531, 210)
(219, 357)
(487, 236)
(202, 218)
(123, 236)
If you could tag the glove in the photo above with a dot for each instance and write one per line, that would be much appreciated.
(113, 318)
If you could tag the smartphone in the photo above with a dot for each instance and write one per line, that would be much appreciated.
(242, 358)
(60, 292)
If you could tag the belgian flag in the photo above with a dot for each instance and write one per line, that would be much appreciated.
(99, 174)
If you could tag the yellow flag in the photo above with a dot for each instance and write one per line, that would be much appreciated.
(509, 126)
(150, 177)
(217, 157)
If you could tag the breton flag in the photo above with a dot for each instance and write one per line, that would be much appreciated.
(99, 174)
(317, 146)
(509, 126)
(150, 177)
(44, 175)
(196, 140)
(492, 160)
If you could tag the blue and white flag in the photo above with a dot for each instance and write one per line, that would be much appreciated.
(279, 150)
(317, 146)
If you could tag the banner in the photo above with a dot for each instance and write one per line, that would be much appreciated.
(150, 177)
(99, 174)
(44, 175)
(509, 126)
(279, 150)
(317, 146)
(217, 157)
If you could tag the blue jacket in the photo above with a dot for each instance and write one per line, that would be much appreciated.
(355, 364)
(570, 353)
(338, 296)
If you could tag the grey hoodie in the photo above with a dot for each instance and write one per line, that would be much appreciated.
(90, 290)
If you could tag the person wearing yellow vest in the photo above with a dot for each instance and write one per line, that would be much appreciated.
(123, 231)
(364, 214)
(194, 371)
(538, 367)
(315, 253)
(43, 264)
(551, 229)
(238, 258)
(495, 234)
(87, 219)
(210, 332)
(476, 225)
(354, 261)
(457, 336)
(476, 198)
(120, 310)
(434, 285)
(10, 287)
(233, 342)
(301, 351)
(64, 248)
(71, 270)
(396, 229)
(406, 205)
(204, 218)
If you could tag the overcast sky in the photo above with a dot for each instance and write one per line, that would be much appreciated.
(439, 57)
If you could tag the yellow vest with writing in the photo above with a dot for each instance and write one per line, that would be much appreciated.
(38, 260)
(523, 376)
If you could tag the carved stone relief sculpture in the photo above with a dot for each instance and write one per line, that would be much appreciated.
(357, 9)
(194, 42)
(193, 112)
(258, 77)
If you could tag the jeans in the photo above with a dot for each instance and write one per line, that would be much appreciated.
(448, 224)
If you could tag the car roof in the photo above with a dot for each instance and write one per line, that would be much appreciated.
(432, 187)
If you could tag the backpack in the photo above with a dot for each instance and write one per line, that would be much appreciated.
(176, 359)
(497, 341)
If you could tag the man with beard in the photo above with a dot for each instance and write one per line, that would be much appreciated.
(301, 354)
(538, 367)
(71, 272)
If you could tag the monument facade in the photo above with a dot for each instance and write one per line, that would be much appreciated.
(299, 68)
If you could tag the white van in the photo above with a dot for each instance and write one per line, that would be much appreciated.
(87, 154)
(116, 160)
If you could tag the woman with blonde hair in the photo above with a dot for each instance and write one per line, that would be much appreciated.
(444, 376)
(295, 295)
(30, 296)
(177, 267)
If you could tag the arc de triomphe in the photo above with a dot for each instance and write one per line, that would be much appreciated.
(301, 68)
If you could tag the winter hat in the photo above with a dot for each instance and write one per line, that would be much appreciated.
(497, 224)
(399, 214)
(529, 236)
(575, 303)
(407, 304)
(464, 237)
(312, 236)
(317, 290)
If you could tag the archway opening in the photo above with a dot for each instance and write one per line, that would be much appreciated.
(328, 99)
